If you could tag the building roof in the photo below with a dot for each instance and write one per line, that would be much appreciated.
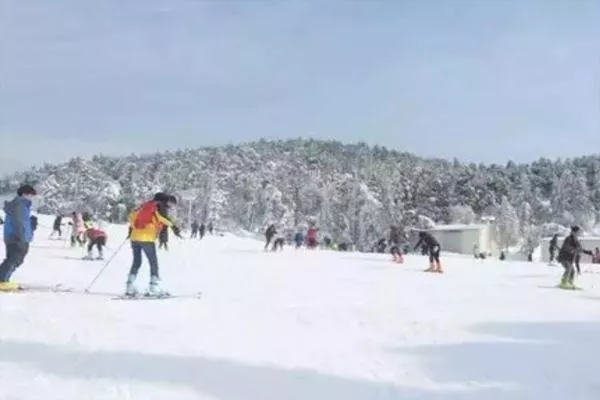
(458, 227)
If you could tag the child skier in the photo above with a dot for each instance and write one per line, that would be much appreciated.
(77, 229)
(567, 256)
(96, 237)
(145, 223)
(433, 246)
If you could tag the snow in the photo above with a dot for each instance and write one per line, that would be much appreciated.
(298, 325)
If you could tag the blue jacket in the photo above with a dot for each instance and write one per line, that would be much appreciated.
(17, 223)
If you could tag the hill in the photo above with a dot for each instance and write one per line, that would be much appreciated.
(353, 191)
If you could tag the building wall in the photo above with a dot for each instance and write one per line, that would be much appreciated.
(457, 239)
(588, 243)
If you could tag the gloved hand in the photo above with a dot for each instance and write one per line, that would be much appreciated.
(176, 231)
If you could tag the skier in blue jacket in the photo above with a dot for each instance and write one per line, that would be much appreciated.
(18, 234)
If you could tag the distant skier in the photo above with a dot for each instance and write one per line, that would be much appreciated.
(210, 228)
(77, 229)
(269, 234)
(298, 239)
(202, 230)
(17, 235)
(96, 237)
(567, 256)
(163, 238)
(394, 240)
(195, 227)
(33, 220)
(57, 226)
(311, 237)
(552, 248)
(433, 246)
(145, 223)
(278, 243)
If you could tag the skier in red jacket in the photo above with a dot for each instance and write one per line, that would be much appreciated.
(96, 237)
(311, 237)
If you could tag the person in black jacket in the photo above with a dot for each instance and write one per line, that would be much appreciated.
(569, 251)
(269, 234)
(163, 238)
(56, 226)
(426, 239)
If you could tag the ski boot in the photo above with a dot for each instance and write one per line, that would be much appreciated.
(131, 290)
(431, 268)
(566, 284)
(100, 256)
(9, 287)
(88, 256)
(154, 289)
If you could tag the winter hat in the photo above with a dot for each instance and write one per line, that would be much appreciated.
(26, 190)
(161, 197)
(575, 229)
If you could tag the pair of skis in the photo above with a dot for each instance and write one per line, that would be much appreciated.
(60, 288)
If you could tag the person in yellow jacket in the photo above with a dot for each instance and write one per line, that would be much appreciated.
(145, 223)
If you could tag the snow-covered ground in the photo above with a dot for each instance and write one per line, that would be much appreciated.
(298, 325)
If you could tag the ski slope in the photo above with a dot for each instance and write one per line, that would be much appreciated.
(297, 325)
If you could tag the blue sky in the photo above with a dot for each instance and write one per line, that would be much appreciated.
(477, 80)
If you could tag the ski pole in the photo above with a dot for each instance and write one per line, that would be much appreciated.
(106, 264)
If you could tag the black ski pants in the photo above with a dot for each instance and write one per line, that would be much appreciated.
(15, 255)
(434, 254)
(98, 242)
(149, 249)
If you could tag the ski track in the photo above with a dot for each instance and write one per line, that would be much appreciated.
(297, 325)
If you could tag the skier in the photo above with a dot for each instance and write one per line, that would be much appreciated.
(552, 248)
(210, 228)
(96, 238)
(77, 229)
(298, 239)
(567, 256)
(34, 224)
(311, 237)
(87, 221)
(17, 235)
(145, 223)
(163, 238)
(202, 230)
(278, 242)
(195, 228)
(56, 227)
(269, 234)
(394, 241)
(433, 246)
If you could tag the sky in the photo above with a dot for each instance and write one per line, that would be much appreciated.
(485, 81)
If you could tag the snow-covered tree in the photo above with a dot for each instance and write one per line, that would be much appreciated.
(507, 224)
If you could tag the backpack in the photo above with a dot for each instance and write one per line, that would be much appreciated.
(145, 214)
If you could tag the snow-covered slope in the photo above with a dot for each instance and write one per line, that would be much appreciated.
(298, 325)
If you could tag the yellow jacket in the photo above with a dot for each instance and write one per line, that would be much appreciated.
(150, 232)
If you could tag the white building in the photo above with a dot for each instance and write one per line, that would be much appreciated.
(588, 243)
(462, 238)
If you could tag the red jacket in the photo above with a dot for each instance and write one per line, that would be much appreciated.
(94, 233)
(312, 233)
